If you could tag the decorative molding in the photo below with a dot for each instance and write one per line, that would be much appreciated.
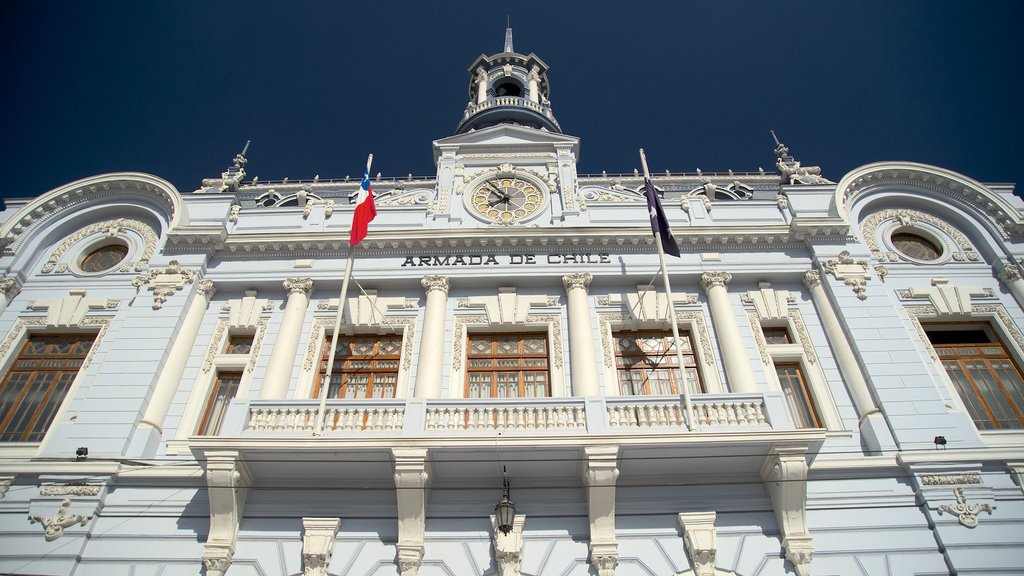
(53, 526)
(947, 299)
(770, 304)
(797, 322)
(1009, 273)
(227, 484)
(576, 280)
(70, 490)
(436, 282)
(71, 310)
(5, 484)
(206, 288)
(701, 540)
(646, 303)
(215, 344)
(762, 344)
(882, 272)
(966, 513)
(411, 482)
(950, 479)
(508, 548)
(785, 476)
(164, 282)
(257, 343)
(600, 472)
(318, 536)
(322, 327)
(303, 286)
(853, 273)
(555, 323)
(111, 228)
(710, 280)
(981, 310)
(233, 213)
(695, 324)
(462, 321)
(885, 222)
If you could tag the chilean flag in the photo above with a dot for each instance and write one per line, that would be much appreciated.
(365, 210)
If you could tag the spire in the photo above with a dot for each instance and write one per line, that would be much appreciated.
(790, 169)
(508, 35)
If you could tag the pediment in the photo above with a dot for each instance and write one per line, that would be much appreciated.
(506, 135)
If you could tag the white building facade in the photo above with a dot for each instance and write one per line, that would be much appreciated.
(852, 351)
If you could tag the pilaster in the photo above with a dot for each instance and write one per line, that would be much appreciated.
(282, 359)
(430, 369)
(734, 353)
(600, 472)
(785, 476)
(411, 482)
(227, 482)
(581, 336)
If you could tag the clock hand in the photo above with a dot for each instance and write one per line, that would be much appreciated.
(496, 191)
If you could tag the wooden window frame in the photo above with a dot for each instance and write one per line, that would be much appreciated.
(976, 404)
(230, 343)
(374, 372)
(34, 427)
(802, 389)
(667, 362)
(213, 413)
(494, 369)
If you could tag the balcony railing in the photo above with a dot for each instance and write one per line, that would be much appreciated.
(545, 416)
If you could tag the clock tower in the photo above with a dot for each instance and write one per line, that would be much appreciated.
(508, 163)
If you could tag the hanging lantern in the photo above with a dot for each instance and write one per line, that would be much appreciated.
(505, 510)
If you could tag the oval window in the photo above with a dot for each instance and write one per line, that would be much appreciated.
(915, 246)
(104, 258)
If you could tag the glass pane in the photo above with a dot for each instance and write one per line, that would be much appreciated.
(791, 382)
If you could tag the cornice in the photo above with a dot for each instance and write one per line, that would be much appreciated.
(1006, 220)
(97, 190)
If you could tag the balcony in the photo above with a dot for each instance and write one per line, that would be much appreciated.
(508, 108)
(714, 413)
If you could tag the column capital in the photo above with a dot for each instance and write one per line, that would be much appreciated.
(302, 286)
(812, 278)
(206, 288)
(9, 286)
(436, 282)
(577, 280)
(1010, 272)
(709, 280)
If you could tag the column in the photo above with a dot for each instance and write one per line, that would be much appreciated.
(1010, 276)
(282, 359)
(430, 370)
(734, 353)
(845, 357)
(9, 288)
(581, 337)
(177, 358)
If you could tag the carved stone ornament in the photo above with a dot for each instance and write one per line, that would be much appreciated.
(409, 559)
(812, 278)
(577, 280)
(701, 541)
(508, 548)
(216, 565)
(951, 479)
(1010, 273)
(604, 564)
(853, 273)
(206, 288)
(5, 485)
(9, 287)
(966, 513)
(882, 272)
(882, 224)
(710, 280)
(799, 552)
(233, 213)
(303, 286)
(54, 525)
(108, 228)
(318, 536)
(70, 490)
(165, 281)
(436, 282)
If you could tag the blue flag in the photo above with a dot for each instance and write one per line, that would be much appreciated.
(659, 223)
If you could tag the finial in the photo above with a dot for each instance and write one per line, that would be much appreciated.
(240, 158)
(508, 35)
(780, 149)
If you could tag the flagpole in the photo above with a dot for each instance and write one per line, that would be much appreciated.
(690, 422)
(325, 384)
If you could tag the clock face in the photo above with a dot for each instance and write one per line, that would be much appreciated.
(506, 200)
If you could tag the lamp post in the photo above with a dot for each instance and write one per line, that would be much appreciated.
(505, 510)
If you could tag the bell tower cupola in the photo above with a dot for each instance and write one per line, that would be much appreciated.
(508, 88)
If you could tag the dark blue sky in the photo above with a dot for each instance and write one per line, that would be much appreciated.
(175, 88)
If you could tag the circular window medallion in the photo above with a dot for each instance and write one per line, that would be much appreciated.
(915, 246)
(103, 258)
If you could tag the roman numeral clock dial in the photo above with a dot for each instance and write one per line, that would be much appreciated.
(506, 200)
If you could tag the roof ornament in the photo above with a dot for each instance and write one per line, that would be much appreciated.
(791, 170)
(508, 35)
(231, 178)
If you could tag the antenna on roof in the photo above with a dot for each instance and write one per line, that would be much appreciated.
(508, 34)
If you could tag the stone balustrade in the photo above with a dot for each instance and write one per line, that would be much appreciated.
(568, 416)
(509, 101)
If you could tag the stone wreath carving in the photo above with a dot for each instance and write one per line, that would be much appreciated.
(112, 228)
(885, 221)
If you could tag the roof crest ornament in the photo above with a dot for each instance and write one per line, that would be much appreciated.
(508, 34)
(791, 170)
